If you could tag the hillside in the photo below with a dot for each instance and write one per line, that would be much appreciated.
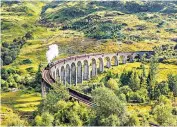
(83, 27)
(28, 28)
(149, 23)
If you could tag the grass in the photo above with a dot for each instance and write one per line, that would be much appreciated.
(139, 108)
(163, 70)
(17, 19)
(152, 34)
(70, 42)
(20, 101)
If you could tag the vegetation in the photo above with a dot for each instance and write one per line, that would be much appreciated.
(163, 112)
(57, 110)
(113, 20)
(133, 94)
(10, 118)
(110, 109)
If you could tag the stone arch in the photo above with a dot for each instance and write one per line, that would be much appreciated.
(86, 70)
(114, 61)
(108, 62)
(54, 74)
(63, 74)
(137, 57)
(94, 68)
(122, 59)
(57, 75)
(101, 65)
(68, 74)
(130, 58)
(79, 72)
(73, 74)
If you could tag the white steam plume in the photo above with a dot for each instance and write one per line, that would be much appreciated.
(52, 52)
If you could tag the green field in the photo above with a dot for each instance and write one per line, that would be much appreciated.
(80, 27)
(21, 101)
(15, 17)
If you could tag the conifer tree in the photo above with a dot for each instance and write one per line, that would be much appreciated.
(134, 81)
(151, 80)
(143, 77)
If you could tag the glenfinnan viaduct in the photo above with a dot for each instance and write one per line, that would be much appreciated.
(75, 69)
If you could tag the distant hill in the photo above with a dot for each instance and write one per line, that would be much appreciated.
(121, 21)
(82, 27)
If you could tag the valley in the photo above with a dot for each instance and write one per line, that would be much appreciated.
(137, 92)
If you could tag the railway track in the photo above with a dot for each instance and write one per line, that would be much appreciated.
(74, 94)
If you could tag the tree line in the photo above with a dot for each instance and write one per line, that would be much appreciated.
(111, 99)
(9, 51)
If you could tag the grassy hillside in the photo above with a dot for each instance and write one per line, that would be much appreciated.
(148, 23)
(83, 27)
(29, 28)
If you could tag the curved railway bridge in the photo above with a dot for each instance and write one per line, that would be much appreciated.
(75, 69)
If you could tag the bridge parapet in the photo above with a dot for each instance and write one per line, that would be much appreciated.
(75, 69)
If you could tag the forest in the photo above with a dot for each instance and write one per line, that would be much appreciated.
(139, 93)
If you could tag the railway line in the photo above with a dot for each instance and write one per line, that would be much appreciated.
(65, 69)
(73, 94)
(48, 79)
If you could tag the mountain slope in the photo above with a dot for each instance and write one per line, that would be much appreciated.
(84, 27)
(129, 22)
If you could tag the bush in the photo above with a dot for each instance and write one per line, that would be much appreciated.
(161, 89)
(135, 97)
(7, 60)
(26, 61)
(163, 115)
(45, 119)
(125, 90)
(4, 74)
(28, 35)
(125, 78)
(112, 84)
(133, 120)
(174, 111)
(13, 54)
(112, 120)
(139, 96)
(5, 44)
(12, 119)
(10, 51)
(172, 81)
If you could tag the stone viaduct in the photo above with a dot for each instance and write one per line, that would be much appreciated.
(75, 69)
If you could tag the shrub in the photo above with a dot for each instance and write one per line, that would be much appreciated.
(26, 61)
(10, 51)
(135, 97)
(172, 82)
(112, 84)
(133, 120)
(45, 119)
(4, 74)
(163, 115)
(125, 78)
(7, 60)
(161, 89)
(174, 111)
(139, 96)
(12, 119)
(5, 44)
(28, 35)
